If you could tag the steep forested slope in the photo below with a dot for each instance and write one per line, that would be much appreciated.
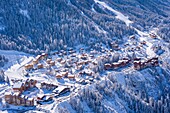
(146, 14)
(34, 25)
(49, 25)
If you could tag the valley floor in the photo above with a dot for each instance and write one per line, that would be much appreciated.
(85, 65)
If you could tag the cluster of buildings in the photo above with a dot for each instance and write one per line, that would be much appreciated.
(15, 96)
(61, 90)
(140, 64)
(137, 63)
(63, 66)
(82, 64)
(21, 100)
(48, 86)
(65, 74)
(18, 95)
(60, 75)
(36, 62)
(121, 63)
(76, 62)
(87, 72)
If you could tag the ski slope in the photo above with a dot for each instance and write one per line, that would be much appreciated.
(119, 16)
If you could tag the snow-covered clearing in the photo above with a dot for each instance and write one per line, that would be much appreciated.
(149, 43)
(24, 13)
(16, 70)
(14, 57)
(119, 16)
(13, 69)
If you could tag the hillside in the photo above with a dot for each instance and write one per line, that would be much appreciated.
(35, 25)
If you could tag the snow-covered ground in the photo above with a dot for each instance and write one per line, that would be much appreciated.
(19, 59)
(24, 13)
(17, 70)
(14, 70)
(119, 16)
(14, 57)
(125, 19)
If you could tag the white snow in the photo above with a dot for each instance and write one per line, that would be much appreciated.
(120, 78)
(114, 105)
(93, 8)
(122, 17)
(64, 104)
(80, 46)
(140, 32)
(149, 51)
(14, 57)
(16, 71)
(14, 68)
(2, 28)
(24, 13)
(149, 42)
(99, 29)
(82, 13)
(119, 16)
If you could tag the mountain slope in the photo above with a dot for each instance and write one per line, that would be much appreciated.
(50, 25)
(35, 25)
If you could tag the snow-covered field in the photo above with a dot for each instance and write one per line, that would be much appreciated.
(14, 57)
(14, 68)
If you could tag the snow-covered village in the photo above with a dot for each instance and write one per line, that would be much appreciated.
(46, 80)
(94, 56)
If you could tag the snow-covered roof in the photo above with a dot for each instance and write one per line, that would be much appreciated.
(71, 76)
(7, 93)
(60, 89)
(18, 85)
(16, 93)
(30, 99)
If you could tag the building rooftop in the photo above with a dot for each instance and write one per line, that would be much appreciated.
(18, 85)
(8, 93)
